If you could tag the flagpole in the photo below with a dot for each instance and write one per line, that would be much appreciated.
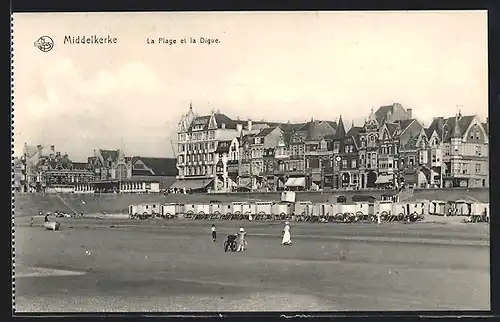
(120, 176)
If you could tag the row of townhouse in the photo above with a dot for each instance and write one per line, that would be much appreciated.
(392, 149)
(43, 169)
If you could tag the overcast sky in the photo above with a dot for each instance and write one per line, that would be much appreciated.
(276, 66)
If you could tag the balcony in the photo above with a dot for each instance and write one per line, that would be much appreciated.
(319, 152)
(459, 175)
(296, 172)
(280, 171)
(195, 176)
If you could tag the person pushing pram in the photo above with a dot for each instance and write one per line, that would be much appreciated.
(236, 242)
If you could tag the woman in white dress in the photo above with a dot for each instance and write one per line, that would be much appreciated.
(287, 239)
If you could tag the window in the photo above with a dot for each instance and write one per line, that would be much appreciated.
(351, 148)
(346, 149)
(478, 167)
(353, 164)
(478, 150)
(464, 168)
(336, 146)
(423, 156)
(344, 164)
(363, 142)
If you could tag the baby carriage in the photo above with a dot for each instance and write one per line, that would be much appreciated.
(230, 243)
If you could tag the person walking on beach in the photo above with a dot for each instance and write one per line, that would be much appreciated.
(287, 239)
(214, 233)
(241, 240)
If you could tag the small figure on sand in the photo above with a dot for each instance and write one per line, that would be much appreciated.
(242, 242)
(287, 239)
(214, 233)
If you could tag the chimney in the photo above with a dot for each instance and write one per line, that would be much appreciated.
(239, 128)
(223, 125)
(409, 111)
(39, 148)
(249, 125)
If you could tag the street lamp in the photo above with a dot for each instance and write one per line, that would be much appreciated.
(442, 154)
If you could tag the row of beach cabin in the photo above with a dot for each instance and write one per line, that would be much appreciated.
(303, 208)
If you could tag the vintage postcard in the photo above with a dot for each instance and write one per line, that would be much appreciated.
(251, 161)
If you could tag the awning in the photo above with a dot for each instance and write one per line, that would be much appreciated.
(295, 182)
(363, 198)
(245, 183)
(410, 178)
(384, 179)
(192, 184)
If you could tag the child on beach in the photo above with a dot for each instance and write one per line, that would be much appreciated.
(241, 240)
(214, 233)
